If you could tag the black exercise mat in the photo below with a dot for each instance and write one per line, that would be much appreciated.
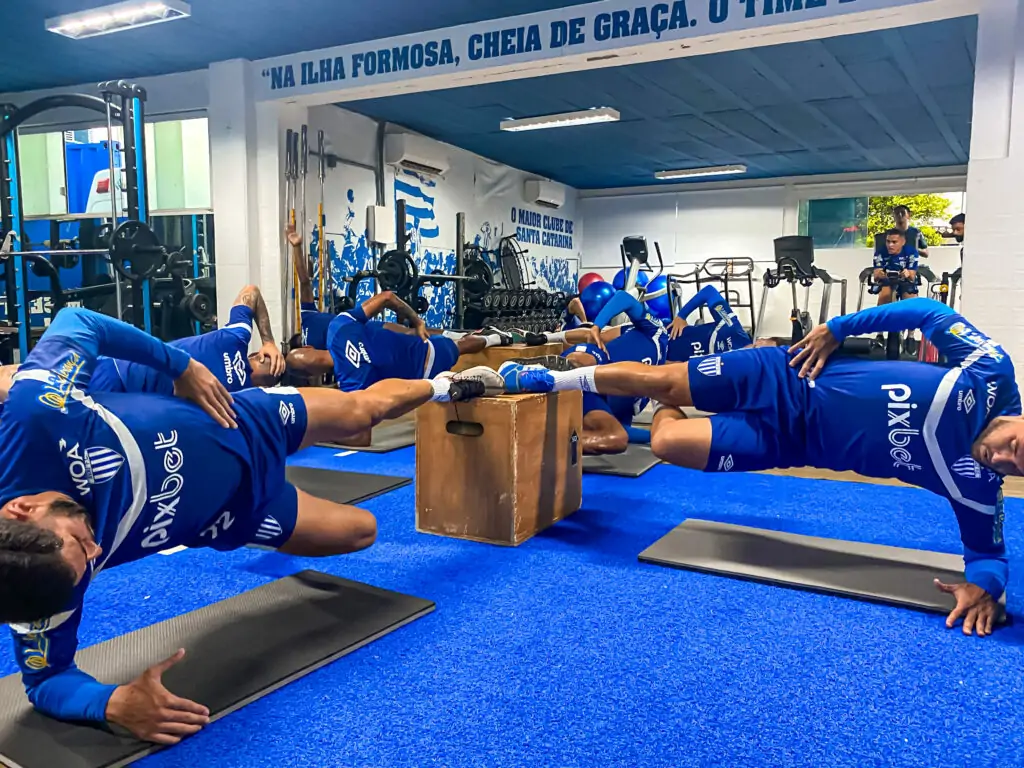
(342, 487)
(874, 572)
(636, 460)
(237, 651)
(385, 438)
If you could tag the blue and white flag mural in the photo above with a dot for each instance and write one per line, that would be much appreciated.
(491, 196)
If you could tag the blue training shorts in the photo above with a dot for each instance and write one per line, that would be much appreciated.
(273, 421)
(759, 405)
(442, 355)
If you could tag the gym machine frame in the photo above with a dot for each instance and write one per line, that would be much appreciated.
(131, 243)
(718, 270)
(795, 270)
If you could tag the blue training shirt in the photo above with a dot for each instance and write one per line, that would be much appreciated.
(723, 333)
(365, 352)
(917, 422)
(314, 326)
(908, 258)
(152, 472)
(224, 351)
(643, 342)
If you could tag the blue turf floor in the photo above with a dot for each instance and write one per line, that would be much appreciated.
(567, 651)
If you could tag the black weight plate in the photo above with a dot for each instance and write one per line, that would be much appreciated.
(480, 280)
(135, 251)
(396, 271)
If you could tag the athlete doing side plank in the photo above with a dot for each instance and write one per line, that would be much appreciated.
(955, 430)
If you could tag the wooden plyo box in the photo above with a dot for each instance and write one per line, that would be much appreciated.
(498, 469)
(493, 357)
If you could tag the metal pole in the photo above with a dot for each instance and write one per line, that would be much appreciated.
(460, 268)
(113, 201)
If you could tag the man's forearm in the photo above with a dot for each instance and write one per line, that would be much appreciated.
(302, 271)
(403, 310)
(71, 695)
(93, 335)
(252, 297)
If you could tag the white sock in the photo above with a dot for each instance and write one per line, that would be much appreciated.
(555, 338)
(441, 388)
(578, 378)
(453, 335)
(492, 341)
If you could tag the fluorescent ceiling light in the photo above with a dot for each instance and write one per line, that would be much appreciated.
(117, 18)
(563, 120)
(689, 173)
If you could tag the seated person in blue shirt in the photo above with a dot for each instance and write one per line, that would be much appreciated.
(900, 257)
(952, 429)
(225, 352)
(89, 482)
(913, 236)
(722, 334)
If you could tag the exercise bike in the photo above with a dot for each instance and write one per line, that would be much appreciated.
(794, 260)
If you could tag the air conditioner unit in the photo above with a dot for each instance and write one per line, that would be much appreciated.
(415, 153)
(546, 194)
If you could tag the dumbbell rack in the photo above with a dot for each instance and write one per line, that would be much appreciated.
(528, 309)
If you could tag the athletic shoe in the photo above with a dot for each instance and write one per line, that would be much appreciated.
(467, 389)
(536, 339)
(506, 337)
(489, 378)
(551, 362)
(521, 378)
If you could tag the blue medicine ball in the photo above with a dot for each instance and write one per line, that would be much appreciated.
(594, 297)
(660, 307)
(619, 281)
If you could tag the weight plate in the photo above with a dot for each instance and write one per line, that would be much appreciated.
(396, 271)
(135, 251)
(479, 280)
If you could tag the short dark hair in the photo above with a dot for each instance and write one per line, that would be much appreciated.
(901, 209)
(894, 231)
(36, 582)
(295, 341)
(960, 218)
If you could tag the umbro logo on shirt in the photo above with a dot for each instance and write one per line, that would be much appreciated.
(710, 366)
(234, 366)
(726, 463)
(287, 412)
(356, 354)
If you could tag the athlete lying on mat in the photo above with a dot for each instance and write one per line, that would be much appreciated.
(362, 352)
(723, 334)
(225, 352)
(608, 420)
(93, 482)
(954, 430)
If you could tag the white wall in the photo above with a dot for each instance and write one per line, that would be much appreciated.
(487, 192)
(736, 220)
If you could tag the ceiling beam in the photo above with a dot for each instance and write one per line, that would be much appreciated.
(905, 62)
(773, 77)
(695, 72)
(838, 71)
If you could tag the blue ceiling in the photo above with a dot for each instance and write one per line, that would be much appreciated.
(218, 29)
(894, 99)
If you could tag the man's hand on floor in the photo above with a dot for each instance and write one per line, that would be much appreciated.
(151, 712)
(974, 605)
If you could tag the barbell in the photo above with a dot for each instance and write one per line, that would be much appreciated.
(134, 251)
(396, 271)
